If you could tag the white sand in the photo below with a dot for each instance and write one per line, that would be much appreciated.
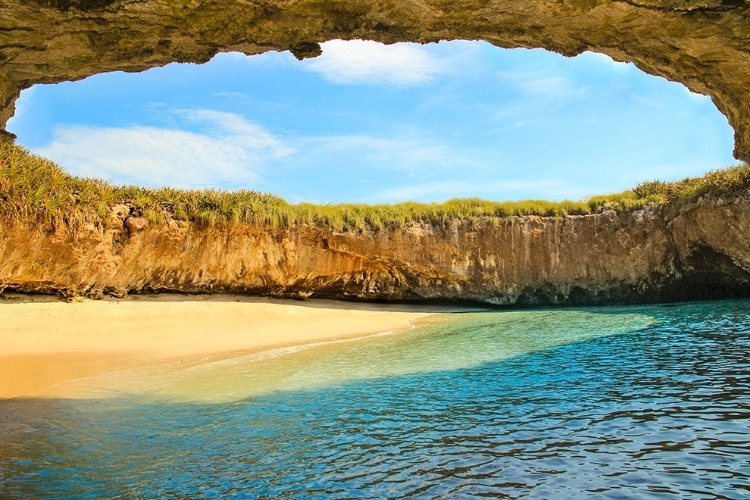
(46, 343)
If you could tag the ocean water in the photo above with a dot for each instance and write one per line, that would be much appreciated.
(625, 402)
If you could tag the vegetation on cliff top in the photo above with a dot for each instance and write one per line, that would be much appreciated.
(35, 190)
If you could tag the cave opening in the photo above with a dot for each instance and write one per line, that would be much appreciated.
(377, 123)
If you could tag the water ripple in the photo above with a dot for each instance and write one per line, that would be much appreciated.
(657, 409)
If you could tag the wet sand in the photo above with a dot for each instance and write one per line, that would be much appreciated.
(45, 344)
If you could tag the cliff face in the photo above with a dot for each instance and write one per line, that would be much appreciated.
(642, 256)
(700, 43)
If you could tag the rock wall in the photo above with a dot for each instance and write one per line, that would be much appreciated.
(643, 256)
(704, 44)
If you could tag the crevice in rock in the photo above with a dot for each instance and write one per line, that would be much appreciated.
(79, 5)
(686, 5)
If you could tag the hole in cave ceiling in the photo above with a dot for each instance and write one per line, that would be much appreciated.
(371, 123)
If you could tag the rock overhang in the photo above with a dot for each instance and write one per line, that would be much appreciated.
(703, 44)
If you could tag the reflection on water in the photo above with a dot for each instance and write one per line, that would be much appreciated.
(617, 402)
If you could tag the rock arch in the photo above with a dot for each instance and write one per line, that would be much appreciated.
(704, 44)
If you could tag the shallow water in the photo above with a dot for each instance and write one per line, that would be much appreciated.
(611, 402)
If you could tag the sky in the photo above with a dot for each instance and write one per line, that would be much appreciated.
(371, 123)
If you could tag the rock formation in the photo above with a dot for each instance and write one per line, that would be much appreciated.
(704, 44)
(642, 256)
(645, 255)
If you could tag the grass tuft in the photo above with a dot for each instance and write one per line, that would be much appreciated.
(34, 190)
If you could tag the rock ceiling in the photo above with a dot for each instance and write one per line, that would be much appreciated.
(704, 44)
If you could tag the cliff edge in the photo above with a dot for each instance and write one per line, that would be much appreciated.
(645, 255)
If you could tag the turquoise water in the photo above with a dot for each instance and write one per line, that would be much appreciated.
(609, 402)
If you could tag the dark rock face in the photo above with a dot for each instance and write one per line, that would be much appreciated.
(703, 44)
(643, 256)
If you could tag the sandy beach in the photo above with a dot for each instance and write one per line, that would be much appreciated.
(47, 343)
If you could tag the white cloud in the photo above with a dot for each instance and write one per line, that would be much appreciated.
(383, 153)
(227, 151)
(362, 61)
(607, 60)
(556, 85)
(537, 84)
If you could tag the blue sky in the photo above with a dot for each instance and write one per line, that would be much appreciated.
(371, 123)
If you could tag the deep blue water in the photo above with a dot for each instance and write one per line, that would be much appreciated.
(630, 402)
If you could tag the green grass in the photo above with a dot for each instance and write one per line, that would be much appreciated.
(674, 195)
(34, 190)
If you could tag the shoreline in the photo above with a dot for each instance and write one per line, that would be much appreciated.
(49, 343)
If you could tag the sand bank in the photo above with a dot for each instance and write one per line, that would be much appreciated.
(47, 343)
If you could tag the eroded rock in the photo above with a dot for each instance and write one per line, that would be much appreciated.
(120, 211)
(136, 224)
(700, 43)
(647, 255)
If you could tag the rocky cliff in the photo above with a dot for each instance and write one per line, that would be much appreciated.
(644, 255)
(641, 256)
(704, 44)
